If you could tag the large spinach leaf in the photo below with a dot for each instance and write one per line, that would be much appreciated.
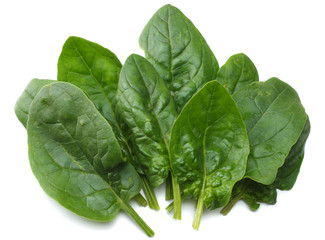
(288, 173)
(145, 104)
(179, 53)
(76, 158)
(274, 118)
(209, 147)
(96, 71)
(25, 100)
(238, 72)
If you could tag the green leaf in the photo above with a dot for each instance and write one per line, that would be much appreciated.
(76, 158)
(274, 118)
(209, 147)
(288, 173)
(25, 100)
(95, 70)
(179, 53)
(146, 105)
(238, 72)
(252, 193)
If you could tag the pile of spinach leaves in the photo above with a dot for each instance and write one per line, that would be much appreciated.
(103, 131)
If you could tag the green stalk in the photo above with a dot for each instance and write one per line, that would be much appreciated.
(127, 208)
(149, 193)
(230, 204)
(177, 198)
(169, 188)
(199, 211)
(170, 207)
(140, 200)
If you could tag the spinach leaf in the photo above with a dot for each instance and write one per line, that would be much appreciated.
(253, 193)
(96, 70)
(288, 173)
(145, 104)
(76, 158)
(25, 100)
(209, 147)
(274, 118)
(238, 72)
(179, 53)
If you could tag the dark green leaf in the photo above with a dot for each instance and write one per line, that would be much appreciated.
(25, 100)
(252, 193)
(179, 53)
(274, 119)
(209, 147)
(95, 70)
(146, 105)
(238, 72)
(76, 158)
(288, 173)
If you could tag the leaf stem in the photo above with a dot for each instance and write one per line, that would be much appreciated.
(140, 200)
(170, 207)
(177, 198)
(169, 188)
(198, 213)
(231, 204)
(127, 208)
(149, 193)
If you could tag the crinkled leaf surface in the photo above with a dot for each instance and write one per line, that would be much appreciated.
(209, 146)
(25, 100)
(72, 150)
(95, 70)
(179, 53)
(238, 72)
(274, 118)
(145, 104)
(288, 173)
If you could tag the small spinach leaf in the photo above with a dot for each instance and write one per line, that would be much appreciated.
(209, 147)
(238, 72)
(145, 104)
(25, 100)
(274, 118)
(76, 158)
(179, 53)
(253, 193)
(288, 173)
(147, 107)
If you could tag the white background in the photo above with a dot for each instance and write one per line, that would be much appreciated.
(283, 38)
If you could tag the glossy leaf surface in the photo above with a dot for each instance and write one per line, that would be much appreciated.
(209, 146)
(145, 104)
(274, 118)
(288, 173)
(179, 53)
(75, 156)
(238, 72)
(25, 100)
